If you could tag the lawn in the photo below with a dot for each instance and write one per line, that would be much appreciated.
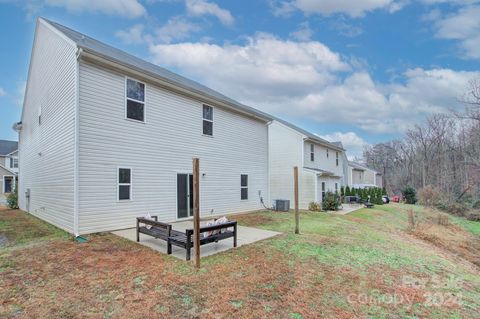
(367, 264)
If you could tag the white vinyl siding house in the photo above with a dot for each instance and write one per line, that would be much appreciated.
(360, 176)
(290, 146)
(47, 147)
(95, 135)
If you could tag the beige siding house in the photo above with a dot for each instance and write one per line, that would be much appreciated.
(8, 168)
(361, 176)
(106, 137)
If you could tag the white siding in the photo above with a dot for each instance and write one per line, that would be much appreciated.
(157, 150)
(286, 152)
(46, 151)
(321, 161)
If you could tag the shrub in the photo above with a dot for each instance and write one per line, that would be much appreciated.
(443, 220)
(474, 216)
(453, 208)
(12, 199)
(348, 192)
(314, 207)
(331, 201)
(342, 191)
(410, 195)
(476, 205)
(411, 219)
(429, 196)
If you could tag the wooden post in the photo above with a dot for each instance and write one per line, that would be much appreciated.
(196, 210)
(295, 183)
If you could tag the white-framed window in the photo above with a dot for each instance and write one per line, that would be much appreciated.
(323, 190)
(336, 158)
(134, 100)
(207, 114)
(243, 187)
(336, 188)
(327, 153)
(124, 187)
(13, 162)
(312, 152)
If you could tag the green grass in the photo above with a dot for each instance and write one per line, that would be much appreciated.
(23, 228)
(471, 226)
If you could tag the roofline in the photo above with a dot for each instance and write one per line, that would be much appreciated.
(96, 56)
(318, 141)
(8, 170)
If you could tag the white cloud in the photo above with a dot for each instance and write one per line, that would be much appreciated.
(134, 35)
(353, 143)
(308, 80)
(303, 33)
(203, 7)
(177, 28)
(2, 92)
(464, 26)
(124, 8)
(354, 9)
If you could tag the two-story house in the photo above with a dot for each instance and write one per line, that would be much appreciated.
(320, 164)
(105, 137)
(360, 176)
(8, 167)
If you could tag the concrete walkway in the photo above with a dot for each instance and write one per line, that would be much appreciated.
(246, 235)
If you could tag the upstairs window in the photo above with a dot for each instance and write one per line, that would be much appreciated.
(337, 158)
(207, 120)
(13, 162)
(327, 153)
(124, 184)
(135, 104)
(40, 115)
(312, 152)
(243, 187)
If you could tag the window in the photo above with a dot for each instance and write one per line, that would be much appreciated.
(13, 162)
(124, 184)
(327, 153)
(336, 188)
(243, 187)
(312, 152)
(207, 120)
(40, 115)
(337, 158)
(323, 191)
(135, 104)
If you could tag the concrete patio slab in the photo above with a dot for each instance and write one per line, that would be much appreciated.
(246, 235)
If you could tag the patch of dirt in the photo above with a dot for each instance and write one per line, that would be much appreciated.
(451, 238)
(253, 219)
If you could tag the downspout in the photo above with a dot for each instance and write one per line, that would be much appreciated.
(76, 151)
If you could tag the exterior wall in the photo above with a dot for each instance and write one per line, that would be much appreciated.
(379, 180)
(5, 161)
(358, 177)
(159, 149)
(321, 161)
(369, 177)
(46, 151)
(285, 152)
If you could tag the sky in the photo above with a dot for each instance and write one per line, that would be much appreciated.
(360, 71)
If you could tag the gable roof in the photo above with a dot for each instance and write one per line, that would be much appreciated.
(361, 167)
(110, 53)
(309, 135)
(91, 45)
(7, 147)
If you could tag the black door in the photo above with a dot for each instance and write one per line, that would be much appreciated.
(8, 186)
(184, 195)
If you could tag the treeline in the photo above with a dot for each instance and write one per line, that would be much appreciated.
(442, 153)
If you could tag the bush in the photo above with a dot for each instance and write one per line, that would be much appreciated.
(453, 208)
(348, 192)
(474, 217)
(12, 199)
(476, 205)
(429, 196)
(331, 201)
(410, 195)
(314, 207)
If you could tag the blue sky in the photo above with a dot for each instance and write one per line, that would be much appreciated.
(359, 71)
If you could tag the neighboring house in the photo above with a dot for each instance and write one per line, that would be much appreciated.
(106, 137)
(8, 167)
(320, 164)
(360, 176)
